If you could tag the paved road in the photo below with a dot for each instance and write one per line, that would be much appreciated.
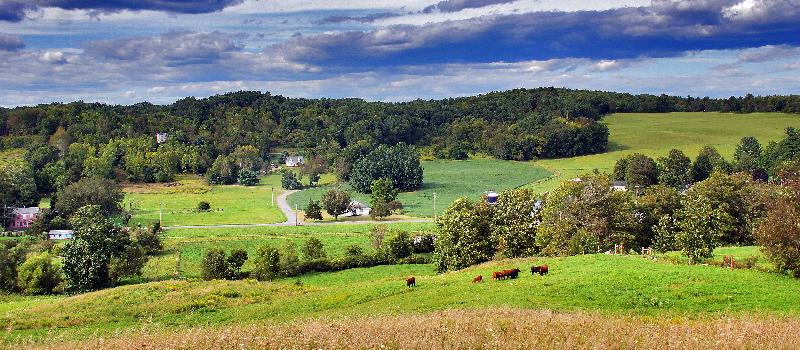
(290, 218)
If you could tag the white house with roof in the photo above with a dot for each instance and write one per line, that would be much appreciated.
(60, 234)
(295, 161)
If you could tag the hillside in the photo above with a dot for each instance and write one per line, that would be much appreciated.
(609, 285)
(655, 134)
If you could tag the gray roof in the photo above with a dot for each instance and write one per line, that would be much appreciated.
(294, 158)
(60, 232)
(31, 210)
(620, 184)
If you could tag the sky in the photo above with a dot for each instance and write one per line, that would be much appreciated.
(129, 51)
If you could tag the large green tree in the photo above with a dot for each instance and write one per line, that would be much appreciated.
(399, 163)
(585, 216)
(675, 170)
(462, 237)
(103, 193)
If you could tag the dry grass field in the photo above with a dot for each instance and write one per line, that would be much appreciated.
(493, 328)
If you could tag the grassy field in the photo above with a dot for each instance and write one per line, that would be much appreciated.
(490, 328)
(655, 134)
(229, 204)
(450, 180)
(604, 284)
(190, 244)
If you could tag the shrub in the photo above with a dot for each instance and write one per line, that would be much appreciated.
(129, 262)
(377, 235)
(38, 275)
(215, 265)
(353, 250)
(400, 245)
(148, 239)
(267, 264)
(289, 181)
(235, 262)
(248, 178)
(313, 210)
(779, 235)
(203, 206)
(313, 249)
(289, 261)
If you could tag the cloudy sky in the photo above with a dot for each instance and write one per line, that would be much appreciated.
(128, 51)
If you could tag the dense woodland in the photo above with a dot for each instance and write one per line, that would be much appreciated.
(518, 124)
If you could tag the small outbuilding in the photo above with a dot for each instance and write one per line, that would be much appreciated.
(619, 186)
(60, 234)
(161, 137)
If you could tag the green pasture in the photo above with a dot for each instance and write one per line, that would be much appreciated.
(190, 244)
(449, 180)
(655, 134)
(621, 285)
(230, 204)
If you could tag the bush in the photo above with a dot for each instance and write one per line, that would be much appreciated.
(313, 249)
(289, 261)
(148, 239)
(267, 264)
(248, 178)
(779, 235)
(215, 266)
(353, 250)
(400, 245)
(313, 210)
(235, 262)
(38, 275)
(203, 206)
(289, 181)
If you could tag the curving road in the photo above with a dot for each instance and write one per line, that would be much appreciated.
(288, 211)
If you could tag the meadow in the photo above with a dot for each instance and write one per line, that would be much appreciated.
(189, 244)
(655, 134)
(230, 204)
(449, 180)
(607, 285)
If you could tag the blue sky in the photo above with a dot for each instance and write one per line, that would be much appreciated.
(128, 51)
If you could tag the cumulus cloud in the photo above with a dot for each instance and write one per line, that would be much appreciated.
(14, 10)
(173, 48)
(54, 57)
(666, 28)
(9, 42)
(458, 5)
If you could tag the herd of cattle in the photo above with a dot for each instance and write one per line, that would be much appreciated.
(497, 275)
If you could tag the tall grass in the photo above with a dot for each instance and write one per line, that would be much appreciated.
(493, 328)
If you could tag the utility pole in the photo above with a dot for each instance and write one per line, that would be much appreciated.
(272, 199)
(295, 215)
(434, 206)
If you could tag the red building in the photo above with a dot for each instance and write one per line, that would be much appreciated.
(22, 218)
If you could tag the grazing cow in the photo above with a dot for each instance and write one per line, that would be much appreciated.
(411, 282)
(477, 279)
(497, 275)
(541, 270)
